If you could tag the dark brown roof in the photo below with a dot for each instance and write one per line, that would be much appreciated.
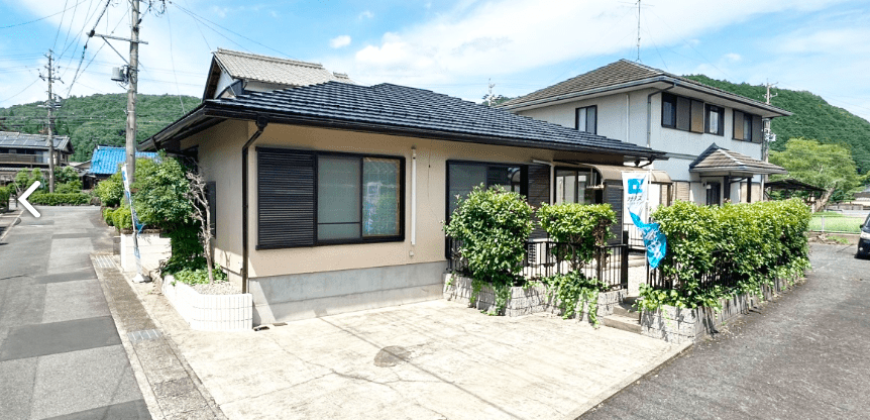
(718, 159)
(615, 75)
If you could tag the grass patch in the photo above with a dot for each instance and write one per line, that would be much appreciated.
(838, 239)
(836, 222)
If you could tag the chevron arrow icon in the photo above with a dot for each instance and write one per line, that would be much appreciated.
(23, 199)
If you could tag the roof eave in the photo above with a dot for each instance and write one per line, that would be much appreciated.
(740, 169)
(213, 110)
(648, 81)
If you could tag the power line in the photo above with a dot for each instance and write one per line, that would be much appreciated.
(231, 31)
(42, 18)
(60, 25)
(19, 93)
(172, 61)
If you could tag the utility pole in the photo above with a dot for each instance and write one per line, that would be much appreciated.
(50, 105)
(767, 136)
(133, 75)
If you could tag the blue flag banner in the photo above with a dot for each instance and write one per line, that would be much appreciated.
(636, 186)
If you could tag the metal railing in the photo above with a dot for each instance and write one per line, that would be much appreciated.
(542, 259)
(635, 238)
(21, 158)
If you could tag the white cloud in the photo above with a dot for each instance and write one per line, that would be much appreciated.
(366, 15)
(502, 37)
(339, 41)
(733, 57)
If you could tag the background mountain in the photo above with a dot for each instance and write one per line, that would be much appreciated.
(813, 118)
(98, 119)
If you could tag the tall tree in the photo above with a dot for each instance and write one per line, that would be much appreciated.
(829, 166)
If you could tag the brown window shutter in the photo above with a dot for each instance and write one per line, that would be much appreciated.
(683, 113)
(697, 117)
(756, 129)
(738, 125)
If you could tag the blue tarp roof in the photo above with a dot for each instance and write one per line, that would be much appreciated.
(106, 159)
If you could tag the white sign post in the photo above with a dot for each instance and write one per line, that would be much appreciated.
(140, 277)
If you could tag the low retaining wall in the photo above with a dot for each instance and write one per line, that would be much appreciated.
(522, 301)
(677, 325)
(209, 312)
(152, 249)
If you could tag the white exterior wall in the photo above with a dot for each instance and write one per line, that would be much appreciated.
(623, 116)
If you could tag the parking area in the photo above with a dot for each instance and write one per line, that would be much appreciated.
(433, 360)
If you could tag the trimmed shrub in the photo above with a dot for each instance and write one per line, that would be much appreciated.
(107, 216)
(493, 226)
(579, 229)
(71, 187)
(716, 252)
(199, 275)
(59, 199)
(110, 191)
(4, 198)
(122, 218)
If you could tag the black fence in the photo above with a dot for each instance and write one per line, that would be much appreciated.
(635, 239)
(542, 259)
(657, 280)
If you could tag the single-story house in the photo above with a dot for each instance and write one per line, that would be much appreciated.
(330, 198)
(27, 151)
(107, 160)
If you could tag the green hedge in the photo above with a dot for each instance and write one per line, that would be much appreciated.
(4, 198)
(746, 245)
(59, 199)
(122, 218)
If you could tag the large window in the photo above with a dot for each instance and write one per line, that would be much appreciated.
(464, 176)
(715, 119)
(586, 119)
(309, 198)
(577, 186)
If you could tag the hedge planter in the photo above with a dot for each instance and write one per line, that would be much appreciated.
(209, 312)
(677, 325)
(522, 301)
(152, 249)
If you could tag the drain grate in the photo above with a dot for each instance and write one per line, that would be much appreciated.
(143, 335)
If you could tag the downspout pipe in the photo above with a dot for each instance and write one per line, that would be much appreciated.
(262, 122)
(649, 114)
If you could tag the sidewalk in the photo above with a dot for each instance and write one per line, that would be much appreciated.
(433, 360)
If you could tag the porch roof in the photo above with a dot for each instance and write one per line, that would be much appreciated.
(717, 159)
(614, 172)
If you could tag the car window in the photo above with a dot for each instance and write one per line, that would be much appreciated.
(867, 220)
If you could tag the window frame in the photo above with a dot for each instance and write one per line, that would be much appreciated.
(577, 118)
(400, 237)
(746, 117)
(672, 99)
(593, 176)
(708, 108)
(524, 178)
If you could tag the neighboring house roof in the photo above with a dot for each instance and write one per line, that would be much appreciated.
(393, 109)
(106, 159)
(16, 140)
(260, 68)
(793, 184)
(719, 159)
(625, 74)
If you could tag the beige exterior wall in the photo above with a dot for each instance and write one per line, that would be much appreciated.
(220, 153)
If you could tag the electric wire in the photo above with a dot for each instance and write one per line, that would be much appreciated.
(42, 18)
(19, 93)
(172, 61)
(229, 30)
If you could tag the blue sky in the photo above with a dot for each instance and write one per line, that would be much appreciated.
(452, 47)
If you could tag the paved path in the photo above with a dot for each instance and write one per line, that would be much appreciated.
(805, 356)
(60, 353)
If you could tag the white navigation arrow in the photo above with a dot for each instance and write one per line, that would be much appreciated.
(23, 199)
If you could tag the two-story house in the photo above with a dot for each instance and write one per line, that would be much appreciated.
(27, 151)
(712, 138)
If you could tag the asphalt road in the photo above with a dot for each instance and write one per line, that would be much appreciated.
(805, 356)
(60, 353)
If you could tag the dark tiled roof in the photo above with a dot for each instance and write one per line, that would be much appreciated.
(106, 159)
(617, 73)
(18, 140)
(716, 159)
(393, 106)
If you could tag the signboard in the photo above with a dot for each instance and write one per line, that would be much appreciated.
(636, 187)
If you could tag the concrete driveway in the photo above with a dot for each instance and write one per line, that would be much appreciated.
(434, 360)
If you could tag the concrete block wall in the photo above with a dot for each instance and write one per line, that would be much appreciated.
(523, 301)
(677, 325)
(152, 249)
(209, 312)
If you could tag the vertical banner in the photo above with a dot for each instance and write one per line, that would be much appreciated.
(137, 228)
(636, 187)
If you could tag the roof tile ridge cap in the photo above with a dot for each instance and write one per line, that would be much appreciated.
(519, 99)
(727, 153)
(270, 58)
